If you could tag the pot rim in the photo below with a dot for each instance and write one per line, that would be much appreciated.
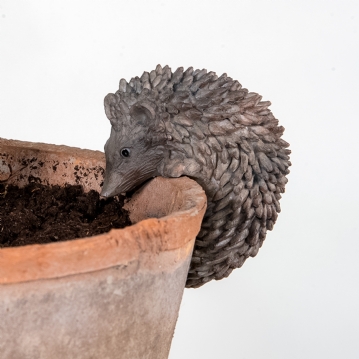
(116, 247)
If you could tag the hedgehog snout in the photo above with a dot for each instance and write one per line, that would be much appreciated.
(112, 185)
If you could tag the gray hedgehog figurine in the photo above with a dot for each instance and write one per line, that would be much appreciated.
(209, 128)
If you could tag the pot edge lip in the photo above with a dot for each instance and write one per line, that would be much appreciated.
(51, 147)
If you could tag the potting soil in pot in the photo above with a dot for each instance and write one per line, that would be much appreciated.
(39, 214)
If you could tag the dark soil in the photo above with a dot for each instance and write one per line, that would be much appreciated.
(39, 214)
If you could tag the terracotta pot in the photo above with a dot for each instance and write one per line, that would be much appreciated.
(115, 295)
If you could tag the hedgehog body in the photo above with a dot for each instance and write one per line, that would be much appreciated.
(209, 128)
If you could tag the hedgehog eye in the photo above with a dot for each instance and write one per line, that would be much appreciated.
(125, 152)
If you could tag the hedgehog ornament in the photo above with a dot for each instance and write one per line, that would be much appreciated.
(209, 128)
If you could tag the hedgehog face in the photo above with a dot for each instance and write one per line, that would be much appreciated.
(131, 155)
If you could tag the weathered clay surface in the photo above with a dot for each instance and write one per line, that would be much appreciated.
(111, 296)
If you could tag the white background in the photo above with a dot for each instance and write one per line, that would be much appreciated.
(299, 298)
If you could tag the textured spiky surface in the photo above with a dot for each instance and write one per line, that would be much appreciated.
(210, 129)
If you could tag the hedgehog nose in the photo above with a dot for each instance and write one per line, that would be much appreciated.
(105, 193)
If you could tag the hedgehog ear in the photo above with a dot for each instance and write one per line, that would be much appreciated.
(109, 102)
(143, 113)
(110, 110)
